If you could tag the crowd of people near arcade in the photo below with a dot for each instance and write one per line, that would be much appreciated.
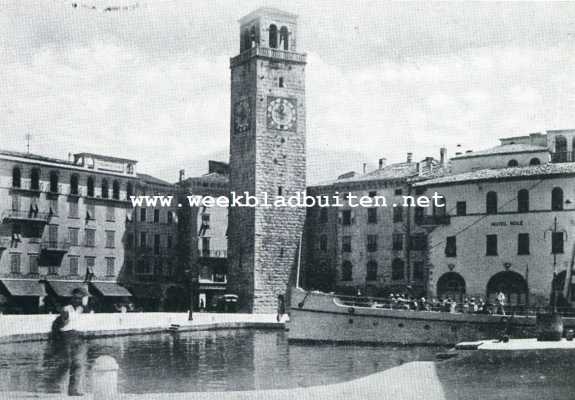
(398, 301)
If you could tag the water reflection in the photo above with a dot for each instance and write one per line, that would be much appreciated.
(211, 361)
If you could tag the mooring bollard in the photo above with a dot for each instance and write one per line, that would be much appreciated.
(105, 378)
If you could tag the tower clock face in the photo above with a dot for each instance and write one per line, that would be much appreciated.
(242, 116)
(281, 113)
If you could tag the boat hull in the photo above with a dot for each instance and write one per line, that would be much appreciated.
(320, 317)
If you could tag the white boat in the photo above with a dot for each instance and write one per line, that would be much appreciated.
(316, 316)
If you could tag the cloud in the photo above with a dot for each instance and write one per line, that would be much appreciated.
(382, 78)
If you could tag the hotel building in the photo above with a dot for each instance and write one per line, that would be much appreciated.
(62, 226)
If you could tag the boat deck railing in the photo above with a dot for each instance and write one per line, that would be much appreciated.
(410, 305)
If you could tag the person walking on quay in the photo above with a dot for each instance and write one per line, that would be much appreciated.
(500, 303)
(67, 350)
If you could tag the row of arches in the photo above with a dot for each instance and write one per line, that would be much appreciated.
(277, 38)
(514, 163)
(512, 284)
(492, 206)
(54, 178)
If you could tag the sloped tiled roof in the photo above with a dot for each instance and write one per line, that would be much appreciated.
(504, 173)
(153, 180)
(35, 157)
(390, 172)
(503, 149)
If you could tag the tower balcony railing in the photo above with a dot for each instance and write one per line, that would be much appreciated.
(268, 53)
(23, 216)
(563, 156)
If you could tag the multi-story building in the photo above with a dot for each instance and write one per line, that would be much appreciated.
(512, 221)
(373, 248)
(62, 226)
(153, 272)
(205, 235)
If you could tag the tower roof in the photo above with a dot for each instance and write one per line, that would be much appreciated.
(268, 12)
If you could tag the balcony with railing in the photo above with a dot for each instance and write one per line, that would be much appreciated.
(267, 52)
(563, 156)
(213, 253)
(55, 246)
(32, 215)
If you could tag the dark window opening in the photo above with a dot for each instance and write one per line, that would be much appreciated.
(346, 271)
(491, 245)
(491, 203)
(451, 246)
(273, 38)
(557, 239)
(35, 179)
(371, 243)
(512, 163)
(16, 177)
(397, 270)
(74, 184)
(104, 189)
(534, 161)
(523, 244)
(372, 215)
(90, 187)
(523, 201)
(461, 208)
(557, 199)
(53, 182)
(371, 272)
(116, 190)
(281, 82)
(346, 217)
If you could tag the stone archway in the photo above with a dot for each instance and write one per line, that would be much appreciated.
(452, 285)
(512, 284)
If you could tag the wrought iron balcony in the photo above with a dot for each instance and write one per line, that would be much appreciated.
(23, 216)
(55, 246)
(267, 52)
(212, 253)
(563, 156)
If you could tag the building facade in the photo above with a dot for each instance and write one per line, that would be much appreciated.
(153, 272)
(267, 156)
(62, 226)
(511, 225)
(372, 249)
(205, 235)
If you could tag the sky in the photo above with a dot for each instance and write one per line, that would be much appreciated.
(150, 81)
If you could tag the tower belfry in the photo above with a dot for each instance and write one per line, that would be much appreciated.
(267, 156)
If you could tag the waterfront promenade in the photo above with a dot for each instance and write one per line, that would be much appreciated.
(21, 328)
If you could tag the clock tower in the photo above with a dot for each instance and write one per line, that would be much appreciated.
(267, 158)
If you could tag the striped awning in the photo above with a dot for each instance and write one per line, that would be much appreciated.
(65, 288)
(24, 287)
(110, 289)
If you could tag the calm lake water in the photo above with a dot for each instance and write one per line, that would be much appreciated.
(210, 361)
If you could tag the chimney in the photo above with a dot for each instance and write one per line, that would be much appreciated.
(364, 168)
(382, 162)
(442, 156)
(409, 157)
(182, 174)
(428, 161)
